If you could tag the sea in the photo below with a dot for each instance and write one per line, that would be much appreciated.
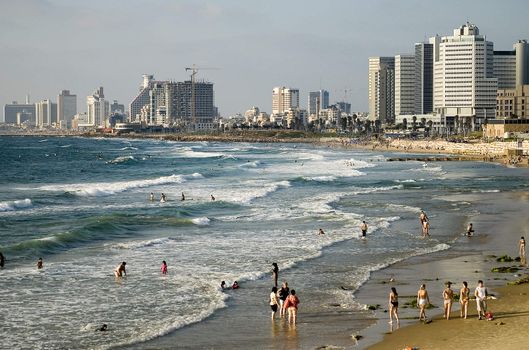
(83, 206)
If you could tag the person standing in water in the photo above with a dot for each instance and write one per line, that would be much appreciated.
(291, 304)
(464, 297)
(40, 264)
(320, 232)
(183, 197)
(423, 300)
(448, 295)
(275, 273)
(470, 230)
(164, 268)
(151, 197)
(521, 245)
(212, 198)
(283, 294)
(120, 270)
(274, 302)
(363, 228)
(2, 260)
(163, 198)
(393, 305)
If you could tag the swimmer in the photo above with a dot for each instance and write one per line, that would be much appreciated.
(103, 328)
(235, 285)
(464, 297)
(321, 232)
(393, 305)
(164, 268)
(470, 230)
(2, 260)
(212, 198)
(183, 197)
(275, 273)
(448, 295)
(163, 198)
(425, 229)
(274, 302)
(423, 300)
(423, 217)
(120, 270)
(223, 285)
(363, 228)
(40, 264)
(151, 197)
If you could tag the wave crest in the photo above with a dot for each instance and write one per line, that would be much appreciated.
(15, 205)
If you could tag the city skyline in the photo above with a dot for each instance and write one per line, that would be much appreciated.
(49, 46)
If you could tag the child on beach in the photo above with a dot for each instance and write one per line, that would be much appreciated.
(274, 302)
(464, 297)
(393, 305)
(164, 268)
(423, 300)
(448, 295)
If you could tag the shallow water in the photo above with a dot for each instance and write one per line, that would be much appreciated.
(82, 205)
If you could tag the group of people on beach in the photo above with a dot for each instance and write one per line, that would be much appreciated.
(284, 299)
(423, 301)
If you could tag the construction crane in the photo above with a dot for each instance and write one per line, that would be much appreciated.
(194, 70)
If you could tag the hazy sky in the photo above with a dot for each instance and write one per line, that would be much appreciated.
(49, 45)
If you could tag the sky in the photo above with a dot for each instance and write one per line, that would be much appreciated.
(50, 45)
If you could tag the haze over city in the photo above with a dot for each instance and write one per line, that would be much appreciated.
(52, 45)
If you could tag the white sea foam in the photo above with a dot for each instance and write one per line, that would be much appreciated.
(128, 148)
(106, 189)
(253, 164)
(485, 191)
(202, 221)
(121, 159)
(402, 207)
(320, 178)
(405, 181)
(15, 205)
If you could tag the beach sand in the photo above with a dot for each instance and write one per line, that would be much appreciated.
(508, 330)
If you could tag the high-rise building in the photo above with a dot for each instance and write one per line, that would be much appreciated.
(190, 108)
(45, 113)
(318, 100)
(283, 99)
(513, 102)
(511, 68)
(11, 110)
(344, 107)
(116, 107)
(423, 78)
(98, 109)
(404, 84)
(382, 89)
(464, 83)
(66, 108)
(141, 99)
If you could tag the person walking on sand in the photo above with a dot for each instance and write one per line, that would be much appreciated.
(40, 264)
(448, 296)
(291, 304)
(275, 273)
(393, 305)
(164, 268)
(283, 294)
(363, 228)
(423, 300)
(481, 299)
(274, 302)
(521, 244)
(464, 297)
(120, 270)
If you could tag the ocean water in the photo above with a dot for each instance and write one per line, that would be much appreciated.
(82, 205)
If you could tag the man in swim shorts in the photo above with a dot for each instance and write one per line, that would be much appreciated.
(363, 228)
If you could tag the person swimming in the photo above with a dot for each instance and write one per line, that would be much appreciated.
(235, 285)
(183, 197)
(40, 264)
(320, 232)
(212, 198)
(151, 197)
(164, 268)
(2, 260)
(120, 270)
(103, 328)
(223, 285)
(163, 198)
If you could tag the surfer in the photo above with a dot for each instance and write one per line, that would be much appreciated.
(163, 198)
(363, 228)
(151, 197)
(120, 270)
(183, 197)
(40, 264)
(470, 230)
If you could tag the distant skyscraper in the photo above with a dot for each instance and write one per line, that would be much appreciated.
(179, 105)
(11, 110)
(382, 88)
(464, 83)
(66, 108)
(284, 99)
(141, 99)
(423, 78)
(318, 100)
(98, 109)
(344, 107)
(404, 84)
(45, 113)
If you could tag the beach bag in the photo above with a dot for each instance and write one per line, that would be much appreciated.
(489, 316)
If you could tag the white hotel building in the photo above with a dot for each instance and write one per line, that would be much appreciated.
(464, 83)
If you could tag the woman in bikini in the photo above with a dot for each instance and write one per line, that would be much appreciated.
(423, 300)
(464, 297)
(393, 305)
(448, 295)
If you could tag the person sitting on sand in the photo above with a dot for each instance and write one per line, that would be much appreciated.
(40, 264)
(470, 230)
(291, 304)
(274, 302)
(464, 297)
(235, 285)
(164, 268)
(448, 295)
(120, 270)
(521, 244)
(393, 305)
(481, 299)
(423, 300)
(363, 228)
